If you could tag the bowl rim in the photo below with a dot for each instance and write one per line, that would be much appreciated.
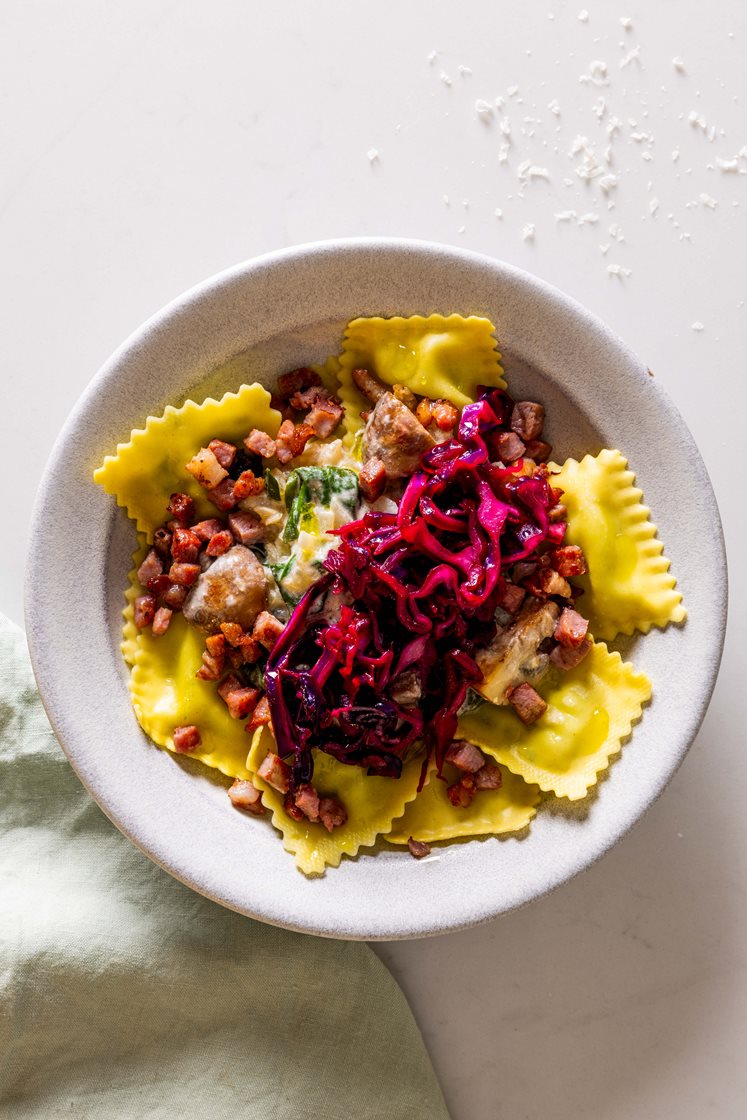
(162, 321)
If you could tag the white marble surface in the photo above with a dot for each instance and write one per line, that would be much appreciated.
(149, 145)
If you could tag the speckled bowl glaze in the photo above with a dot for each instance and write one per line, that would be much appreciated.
(251, 323)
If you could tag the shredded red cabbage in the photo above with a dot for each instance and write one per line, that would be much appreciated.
(415, 593)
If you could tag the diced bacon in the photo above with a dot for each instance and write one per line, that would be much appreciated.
(488, 777)
(424, 412)
(144, 611)
(460, 795)
(406, 689)
(225, 453)
(219, 543)
(291, 440)
(307, 800)
(418, 848)
(571, 628)
(211, 668)
(215, 644)
(234, 658)
(207, 529)
(186, 574)
(231, 683)
(232, 632)
(247, 528)
(162, 543)
(324, 418)
(511, 597)
(552, 583)
(250, 649)
(161, 620)
(465, 756)
(510, 447)
(174, 596)
(527, 703)
(295, 380)
(305, 399)
(569, 561)
(568, 657)
(275, 772)
(159, 585)
(185, 546)
(546, 581)
(222, 496)
(181, 507)
(151, 567)
(186, 738)
(523, 569)
(246, 796)
(332, 813)
(283, 441)
(445, 415)
(205, 469)
(528, 420)
(557, 513)
(291, 808)
(372, 479)
(267, 629)
(538, 450)
(405, 396)
(260, 716)
(259, 443)
(246, 485)
(241, 702)
(369, 384)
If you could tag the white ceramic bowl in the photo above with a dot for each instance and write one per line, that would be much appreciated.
(253, 322)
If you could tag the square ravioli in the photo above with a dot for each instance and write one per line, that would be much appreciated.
(436, 356)
(590, 710)
(432, 817)
(160, 449)
(628, 586)
(372, 804)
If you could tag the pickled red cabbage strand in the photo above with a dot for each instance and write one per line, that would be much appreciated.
(415, 596)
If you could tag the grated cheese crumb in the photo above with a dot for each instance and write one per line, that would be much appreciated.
(618, 270)
(697, 325)
(483, 108)
(565, 216)
(631, 56)
(708, 201)
(626, 22)
(583, 15)
(528, 231)
(373, 155)
(445, 78)
(727, 164)
(678, 63)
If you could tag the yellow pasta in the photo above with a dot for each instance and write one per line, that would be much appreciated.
(431, 816)
(371, 803)
(130, 632)
(434, 356)
(628, 586)
(147, 469)
(166, 694)
(591, 709)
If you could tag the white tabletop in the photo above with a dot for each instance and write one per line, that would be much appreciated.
(148, 145)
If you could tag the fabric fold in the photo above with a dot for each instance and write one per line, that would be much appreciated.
(124, 995)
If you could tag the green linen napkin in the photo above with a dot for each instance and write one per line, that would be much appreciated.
(125, 995)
